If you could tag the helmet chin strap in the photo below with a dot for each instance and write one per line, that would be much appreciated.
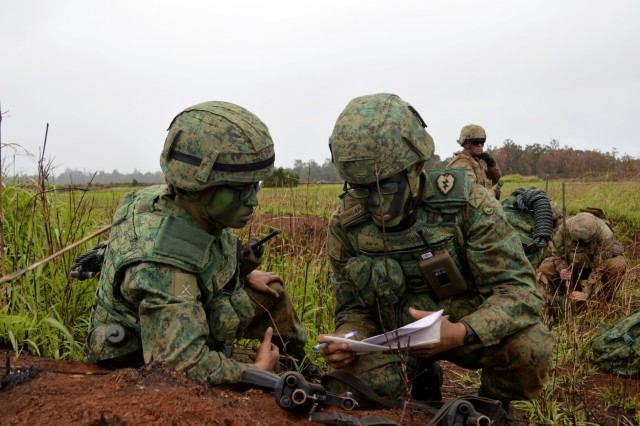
(415, 181)
(200, 200)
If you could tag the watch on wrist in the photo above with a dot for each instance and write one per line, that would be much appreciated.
(471, 338)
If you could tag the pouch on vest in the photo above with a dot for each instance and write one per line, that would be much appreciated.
(387, 277)
(441, 272)
(358, 272)
(223, 324)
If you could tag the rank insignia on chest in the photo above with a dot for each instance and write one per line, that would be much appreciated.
(445, 183)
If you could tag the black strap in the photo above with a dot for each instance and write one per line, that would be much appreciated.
(487, 406)
(223, 167)
(342, 420)
(359, 386)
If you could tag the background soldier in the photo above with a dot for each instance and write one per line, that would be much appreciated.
(584, 249)
(482, 168)
(170, 289)
(391, 215)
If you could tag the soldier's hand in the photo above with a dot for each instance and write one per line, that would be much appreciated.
(565, 274)
(487, 159)
(268, 354)
(337, 354)
(451, 336)
(579, 296)
(259, 281)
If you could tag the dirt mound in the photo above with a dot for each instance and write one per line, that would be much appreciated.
(72, 392)
(68, 392)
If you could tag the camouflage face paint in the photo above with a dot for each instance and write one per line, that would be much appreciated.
(225, 206)
(387, 208)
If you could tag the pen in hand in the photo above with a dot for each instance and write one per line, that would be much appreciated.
(325, 344)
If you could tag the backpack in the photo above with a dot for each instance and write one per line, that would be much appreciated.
(616, 348)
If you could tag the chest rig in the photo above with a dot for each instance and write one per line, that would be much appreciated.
(421, 266)
(157, 232)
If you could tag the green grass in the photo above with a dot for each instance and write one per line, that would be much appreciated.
(47, 313)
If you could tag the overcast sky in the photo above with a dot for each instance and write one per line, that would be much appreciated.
(109, 76)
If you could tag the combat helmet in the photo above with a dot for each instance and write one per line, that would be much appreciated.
(583, 227)
(471, 131)
(380, 133)
(216, 143)
(556, 212)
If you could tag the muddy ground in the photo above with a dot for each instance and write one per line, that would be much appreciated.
(72, 392)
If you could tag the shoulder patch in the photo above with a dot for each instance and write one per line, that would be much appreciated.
(445, 183)
(487, 209)
(184, 286)
(476, 198)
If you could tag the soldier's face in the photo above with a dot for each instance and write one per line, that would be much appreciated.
(388, 206)
(231, 206)
(474, 146)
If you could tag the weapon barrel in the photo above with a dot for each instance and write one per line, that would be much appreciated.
(263, 240)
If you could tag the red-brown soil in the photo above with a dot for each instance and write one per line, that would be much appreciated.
(73, 392)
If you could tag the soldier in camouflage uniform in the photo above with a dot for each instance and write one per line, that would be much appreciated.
(530, 213)
(481, 167)
(584, 249)
(390, 216)
(170, 289)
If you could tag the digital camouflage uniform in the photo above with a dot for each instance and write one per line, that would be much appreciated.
(477, 170)
(376, 276)
(173, 286)
(530, 213)
(598, 259)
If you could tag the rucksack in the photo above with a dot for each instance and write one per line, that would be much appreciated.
(616, 348)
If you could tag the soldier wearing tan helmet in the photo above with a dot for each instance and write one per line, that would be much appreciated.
(405, 240)
(481, 167)
(170, 289)
(587, 262)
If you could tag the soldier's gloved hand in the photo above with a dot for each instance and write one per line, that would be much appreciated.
(487, 159)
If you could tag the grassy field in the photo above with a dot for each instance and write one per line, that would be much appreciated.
(47, 313)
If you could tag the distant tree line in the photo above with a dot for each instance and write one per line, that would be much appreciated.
(563, 162)
(530, 160)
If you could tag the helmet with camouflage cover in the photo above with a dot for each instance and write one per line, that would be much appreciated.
(556, 212)
(378, 133)
(583, 227)
(216, 143)
(471, 131)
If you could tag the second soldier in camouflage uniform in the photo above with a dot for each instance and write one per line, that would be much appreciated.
(585, 249)
(390, 212)
(170, 289)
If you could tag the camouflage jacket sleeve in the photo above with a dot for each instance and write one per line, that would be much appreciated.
(174, 329)
(560, 251)
(502, 273)
(494, 173)
(604, 248)
(349, 313)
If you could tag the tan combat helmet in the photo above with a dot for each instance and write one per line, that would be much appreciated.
(471, 131)
(583, 227)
